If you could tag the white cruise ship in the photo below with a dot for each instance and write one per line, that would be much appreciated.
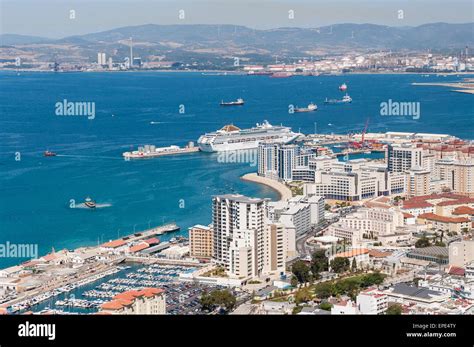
(231, 138)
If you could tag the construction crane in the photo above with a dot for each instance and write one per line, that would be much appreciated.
(360, 144)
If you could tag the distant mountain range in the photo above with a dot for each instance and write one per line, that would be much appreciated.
(176, 41)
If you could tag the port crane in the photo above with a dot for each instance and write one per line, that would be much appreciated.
(362, 143)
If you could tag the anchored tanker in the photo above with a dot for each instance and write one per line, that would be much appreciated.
(231, 138)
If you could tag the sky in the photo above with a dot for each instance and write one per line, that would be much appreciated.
(52, 18)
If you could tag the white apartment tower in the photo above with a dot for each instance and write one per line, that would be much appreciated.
(243, 242)
(401, 158)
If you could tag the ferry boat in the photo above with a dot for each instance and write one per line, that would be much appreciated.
(346, 99)
(49, 154)
(231, 137)
(311, 107)
(343, 87)
(89, 203)
(238, 102)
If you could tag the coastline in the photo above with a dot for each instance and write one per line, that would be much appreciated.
(283, 191)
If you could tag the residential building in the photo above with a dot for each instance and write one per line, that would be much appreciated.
(461, 253)
(403, 157)
(246, 243)
(201, 241)
(372, 301)
(145, 301)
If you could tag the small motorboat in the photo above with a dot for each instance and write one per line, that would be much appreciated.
(49, 154)
(89, 203)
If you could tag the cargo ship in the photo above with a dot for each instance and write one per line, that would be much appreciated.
(150, 151)
(345, 100)
(311, 108)
(238, 102)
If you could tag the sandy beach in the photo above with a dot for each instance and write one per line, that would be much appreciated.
(283, 191)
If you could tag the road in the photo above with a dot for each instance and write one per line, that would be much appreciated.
(301, 246)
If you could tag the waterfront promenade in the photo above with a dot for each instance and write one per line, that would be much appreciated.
(282, 189)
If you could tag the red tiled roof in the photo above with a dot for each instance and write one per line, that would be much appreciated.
(153, 241)
(113, 244)
(458, 271)
(463, 210)
(416, 204)
(378, 254)
(352, 253)
(139, 247)
(407, 215)
(464, 200)
(438, 218)
(127, 298)
(423, 201)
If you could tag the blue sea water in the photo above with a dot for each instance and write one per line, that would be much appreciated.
(36, 191)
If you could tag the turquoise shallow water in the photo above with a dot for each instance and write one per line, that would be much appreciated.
(36, 191)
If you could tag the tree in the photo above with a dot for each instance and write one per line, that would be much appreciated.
(294, 281)
(302, 295)
(422, 242)
(222, 298)
(371, 279)
(354, 265)
(301, 271)
(395, 309)
(340, 265)
(323, 290)
(326, 306)
(207, 302)
(319, 262)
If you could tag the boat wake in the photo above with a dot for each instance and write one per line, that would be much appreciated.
(87, 156)
(83, 206)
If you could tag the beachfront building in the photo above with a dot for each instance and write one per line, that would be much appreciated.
(267, 160)
(145, 301)
(201, 241)
(285, 162)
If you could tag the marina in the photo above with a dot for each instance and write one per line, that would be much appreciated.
(88, 296)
